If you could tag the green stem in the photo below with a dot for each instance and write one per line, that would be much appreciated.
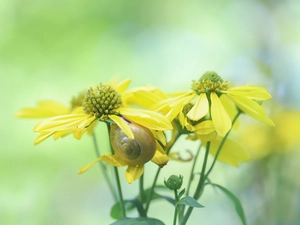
(192, 171)
(141, 185)
(119, 188)
(204, 176)
(200, 186)
(104, 170)
(176, 207)
(167, 150)
(221, 145)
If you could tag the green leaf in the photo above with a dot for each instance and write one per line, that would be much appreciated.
(189, 201)
(138, 221)
(236, 201)
(116, 209)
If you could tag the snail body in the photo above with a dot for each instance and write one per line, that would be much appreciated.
(135, 151)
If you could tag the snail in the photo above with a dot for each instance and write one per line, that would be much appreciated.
(135, 151)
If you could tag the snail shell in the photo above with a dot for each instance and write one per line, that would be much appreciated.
(135, 151)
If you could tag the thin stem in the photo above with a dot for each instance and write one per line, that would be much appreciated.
(200, 186)
(176, 207)
(120, 191)
(141, 185)
(221, 145)
(192, 171)
(167, 150)
(203, 177)
(104, 169)
(119, 188)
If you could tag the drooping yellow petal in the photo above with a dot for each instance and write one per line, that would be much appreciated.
(123, 125)
(42, 136)
(133, 173)
(251, 108)
(160, 159)
(220, 118)
(232, 152)
(253, 92)
(110, 159)
(159, 148)
(151, 120)
(206, 131)
(160, 136)
(43, 109)
(200, 109)
(230, 108)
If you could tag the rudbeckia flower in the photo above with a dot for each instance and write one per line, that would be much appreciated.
(213, 100)
(129, 128)
(105, 104)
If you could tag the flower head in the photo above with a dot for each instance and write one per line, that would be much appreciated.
(213, 101)
(105, 104)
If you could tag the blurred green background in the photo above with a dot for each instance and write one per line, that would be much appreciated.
(53, 49)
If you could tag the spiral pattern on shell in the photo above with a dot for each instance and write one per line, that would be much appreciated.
(135, 151)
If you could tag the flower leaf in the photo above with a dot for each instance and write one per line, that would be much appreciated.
(138, 221)
(238, 206)
(189, 201)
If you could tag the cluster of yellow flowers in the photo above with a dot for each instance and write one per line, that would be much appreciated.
(205, 112)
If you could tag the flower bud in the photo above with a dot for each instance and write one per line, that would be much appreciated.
(174, 182)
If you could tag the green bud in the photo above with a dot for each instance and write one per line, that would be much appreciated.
(174, 182)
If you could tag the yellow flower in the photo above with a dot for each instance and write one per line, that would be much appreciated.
(210, 103)
(134, 153)
(283, 138)
(104, 104)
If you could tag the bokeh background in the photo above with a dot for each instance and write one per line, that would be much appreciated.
(53, 49)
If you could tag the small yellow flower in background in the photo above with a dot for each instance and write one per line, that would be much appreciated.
(282, 138)
(214, 101)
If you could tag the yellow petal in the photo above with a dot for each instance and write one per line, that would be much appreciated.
(122, 86)
(232, 152)
(43, 109)
(151, 120)
(174, 112)
(110, 159)
(253, 92)
(251, 108)
(206, 131)
(169, 103)
(63, 122)
(61, 133)
(220, 118)
(200, 109)
(42, 136)
(160, 136)
(123, 125)
(146, 98)
(160, 159)
(230, 109)
(133, 173)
